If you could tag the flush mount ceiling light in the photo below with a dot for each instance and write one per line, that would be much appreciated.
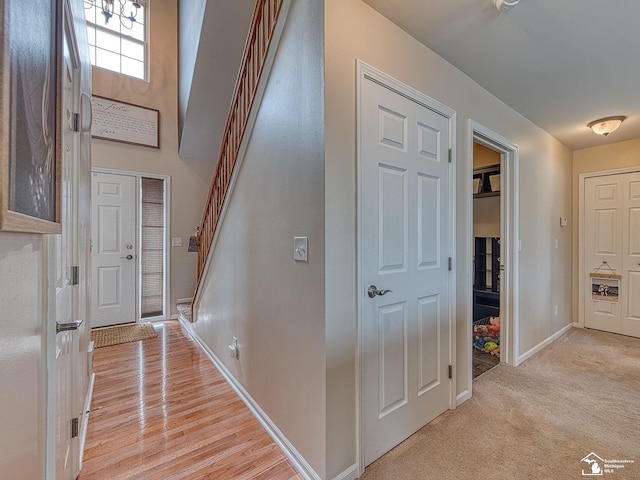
(505, 5)
(604, 126)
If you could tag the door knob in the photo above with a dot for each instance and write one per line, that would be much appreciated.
(373, 291)
(128, 257)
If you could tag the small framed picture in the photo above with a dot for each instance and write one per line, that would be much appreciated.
(494, 181)
(605, 288)
(477, 184)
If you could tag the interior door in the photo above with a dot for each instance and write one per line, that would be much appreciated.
(612, 253)
(405, 248)
(630, 314)
(68, 398)
(113, 254)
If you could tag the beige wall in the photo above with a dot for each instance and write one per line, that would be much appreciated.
(23, 340)
(486, 210)
(486, 217)
(483, 156)
(614, 156)
(353, 30)
(190, 179)
(255, 291)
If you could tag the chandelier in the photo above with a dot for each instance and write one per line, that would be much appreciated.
(108, 7)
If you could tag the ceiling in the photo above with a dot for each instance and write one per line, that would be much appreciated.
(560, 63)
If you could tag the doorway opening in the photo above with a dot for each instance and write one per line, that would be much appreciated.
(486, 259)
(129, 239)
(502, 276)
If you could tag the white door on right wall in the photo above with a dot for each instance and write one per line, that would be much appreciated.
(612, 253)
(405, 212)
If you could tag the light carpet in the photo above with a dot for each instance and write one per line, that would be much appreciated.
(579, 395)
(104, 337)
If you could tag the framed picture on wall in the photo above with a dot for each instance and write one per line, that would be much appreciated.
(29, 130)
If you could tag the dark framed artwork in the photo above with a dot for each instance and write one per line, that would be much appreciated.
(125, 122)
(30, 144)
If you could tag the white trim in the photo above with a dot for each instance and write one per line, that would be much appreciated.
(167, 239)
(365, 71)
(544, 343)
(253, 114)
(463, 397)
(510, 238)
(49, 289)
(272, 429)
(581, 233)
(85, 420)
(350, 473)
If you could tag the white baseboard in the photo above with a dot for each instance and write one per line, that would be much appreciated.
(463, 397)
(298, 461)
(544, 343)
(350, 473)
(85, 422)
(576, 325)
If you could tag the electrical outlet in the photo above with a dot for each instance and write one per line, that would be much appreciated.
(555, 310)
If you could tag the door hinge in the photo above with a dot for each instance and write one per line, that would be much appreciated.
(75, 122)
(450, 263)
(74, 427)
(450, 371)
(74, 275)
(450, 155)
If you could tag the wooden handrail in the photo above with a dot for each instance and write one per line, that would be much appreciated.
(261, 32)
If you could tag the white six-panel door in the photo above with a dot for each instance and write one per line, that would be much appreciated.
(405, 248)
(612, 247)
(113, 251)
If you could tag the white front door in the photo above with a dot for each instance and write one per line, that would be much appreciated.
(68, 395)
(113, 251)
(405, 209)
(612, 253)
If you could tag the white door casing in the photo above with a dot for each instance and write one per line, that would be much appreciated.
(612, 247)
(114, 249)
(405, 241)
(630, 314)
(509, 233)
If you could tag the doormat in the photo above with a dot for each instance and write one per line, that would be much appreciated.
(105, 337)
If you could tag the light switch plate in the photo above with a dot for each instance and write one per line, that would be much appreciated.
(176, 241)
(300, 249)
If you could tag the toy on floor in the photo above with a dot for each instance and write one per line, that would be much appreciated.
(486, 335)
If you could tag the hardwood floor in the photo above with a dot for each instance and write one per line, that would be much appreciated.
(161, 410)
